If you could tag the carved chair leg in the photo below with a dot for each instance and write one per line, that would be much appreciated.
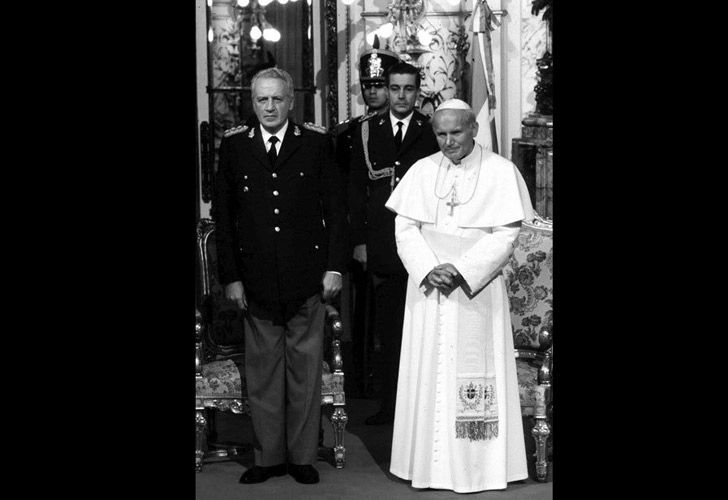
(338, 422)
(201, 426)
(541, 433)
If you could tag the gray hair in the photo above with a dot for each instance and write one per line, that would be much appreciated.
(277, 73)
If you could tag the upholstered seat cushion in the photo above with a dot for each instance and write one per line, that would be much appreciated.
(223, 379)
(220, 379)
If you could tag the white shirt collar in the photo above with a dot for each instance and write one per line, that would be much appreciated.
(405, 122)
(267, 135)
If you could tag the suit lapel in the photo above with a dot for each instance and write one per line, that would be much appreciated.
(414, 130)
(291, 142)
(258, 148)
(385, 137)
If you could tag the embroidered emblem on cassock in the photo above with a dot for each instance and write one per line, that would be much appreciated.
(476, 412)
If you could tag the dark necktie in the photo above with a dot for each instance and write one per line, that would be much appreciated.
(272, 155)
(398, 135)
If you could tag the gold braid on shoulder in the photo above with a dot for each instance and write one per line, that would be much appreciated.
(374, 175)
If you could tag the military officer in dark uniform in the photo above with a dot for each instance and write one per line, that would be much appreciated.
(384, 148)
(372, 65)
(282, 246)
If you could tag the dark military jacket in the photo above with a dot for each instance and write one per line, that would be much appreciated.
(278, 230)
(345, 142)
(371, 222)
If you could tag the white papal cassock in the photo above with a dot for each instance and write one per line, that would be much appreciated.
(475, 239)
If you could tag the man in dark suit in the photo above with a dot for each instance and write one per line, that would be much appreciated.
(281, 242)
(384, 148)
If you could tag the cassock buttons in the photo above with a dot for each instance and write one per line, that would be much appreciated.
(276, 211)
(275, 193)
(277, 229)
(300, 173)
(245, 189)
(275, 175)
(396, 162)
(316, 247)
(245, 177)
(396, 179)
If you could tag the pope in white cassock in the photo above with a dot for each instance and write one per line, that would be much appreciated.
(457, 423)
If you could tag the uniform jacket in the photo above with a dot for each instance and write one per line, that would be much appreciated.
(345, 132)
(279, 230)
(371, 222)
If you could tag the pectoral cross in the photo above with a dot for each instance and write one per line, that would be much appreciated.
(453, 202)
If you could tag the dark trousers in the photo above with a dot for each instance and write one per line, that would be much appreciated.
(390, 293)
(283, 377)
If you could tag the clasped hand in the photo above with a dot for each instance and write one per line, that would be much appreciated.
(444, 277)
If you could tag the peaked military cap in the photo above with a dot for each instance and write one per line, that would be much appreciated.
(374, 62)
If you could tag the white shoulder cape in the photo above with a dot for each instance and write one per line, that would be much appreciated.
(500, 198)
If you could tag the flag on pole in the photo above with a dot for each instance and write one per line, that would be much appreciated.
(482, 91)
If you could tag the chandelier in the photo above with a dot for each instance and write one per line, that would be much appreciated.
(260, 27)
(403, 27)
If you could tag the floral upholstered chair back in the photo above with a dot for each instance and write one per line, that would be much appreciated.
(529, 276)
(529, 282)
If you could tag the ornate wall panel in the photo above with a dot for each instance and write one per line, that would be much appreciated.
(442, 60)
(534, 37)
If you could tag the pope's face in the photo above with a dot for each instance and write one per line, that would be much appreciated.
(454, 134)
(402, 94)
(271, 103)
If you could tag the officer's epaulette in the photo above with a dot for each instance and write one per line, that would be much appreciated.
(368, 116)
(315, 128)
(236, 130)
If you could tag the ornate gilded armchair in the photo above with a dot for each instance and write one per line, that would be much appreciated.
(220, 361)
(529, 277)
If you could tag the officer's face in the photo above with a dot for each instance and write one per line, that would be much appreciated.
(271, 103)
(402, 94)
(375, 94)
(454, 134)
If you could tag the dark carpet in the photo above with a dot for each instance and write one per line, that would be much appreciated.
(365, 476)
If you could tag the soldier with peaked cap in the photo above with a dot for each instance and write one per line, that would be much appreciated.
(372, 65)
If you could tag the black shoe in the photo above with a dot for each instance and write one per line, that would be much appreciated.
(305, 474)
(380, 418)
(258, 474)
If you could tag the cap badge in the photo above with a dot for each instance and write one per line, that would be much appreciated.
(375, 66)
